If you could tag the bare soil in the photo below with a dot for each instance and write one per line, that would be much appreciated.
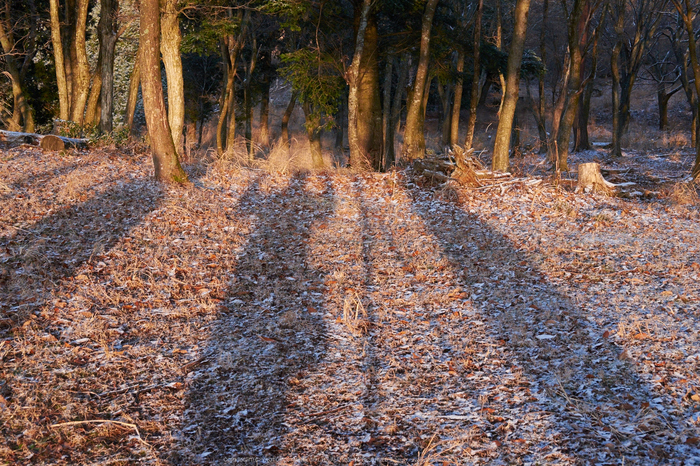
(346, 318)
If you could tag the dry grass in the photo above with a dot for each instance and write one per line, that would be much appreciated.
(683, 194)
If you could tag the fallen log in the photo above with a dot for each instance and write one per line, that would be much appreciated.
(48, 142)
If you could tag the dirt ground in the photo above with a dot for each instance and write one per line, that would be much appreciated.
(256, 317)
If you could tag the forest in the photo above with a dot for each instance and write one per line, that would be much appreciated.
(357, 232)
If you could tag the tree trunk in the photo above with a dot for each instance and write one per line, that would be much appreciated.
(476, 77)
(369, 123)
(248, 99)
(91, 112)
(688, 16)
(445, 93)
(386, 107)
(165, 158)
(172, 60)
(265, 115)
(81, 68)
(542, 107)
(285, 119)
(515, 56)
(313, 129)
(414, 137)
(22, 117)
(57, 44)
(108, 40)
(360, 159)
(457, 101)
(133, 96)
(576, 38)
(226, 126)
(396, 105)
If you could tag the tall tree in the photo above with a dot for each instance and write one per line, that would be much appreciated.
(108, 39)
(165, 158)
(358, 157)
(628, 55)
(505, 122)
(476, 77)
(171, 39)
(687, 13)
(414, 137)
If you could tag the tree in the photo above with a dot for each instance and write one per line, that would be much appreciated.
(476, 77)
(358, 157)
(510, 100)
(414, 138)
(628, 56)
(688, 14)
(108, 39)
(165, 158)
(171, 39)
(22, 113)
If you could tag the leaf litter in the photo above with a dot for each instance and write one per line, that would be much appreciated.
(340, 318)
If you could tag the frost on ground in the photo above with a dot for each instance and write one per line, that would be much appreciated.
(340, 318)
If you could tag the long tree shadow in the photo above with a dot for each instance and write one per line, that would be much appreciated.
(269, 333)
(37, 258)
(601, 408)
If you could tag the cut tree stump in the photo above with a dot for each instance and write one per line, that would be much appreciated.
(590, 179)
(48, 142)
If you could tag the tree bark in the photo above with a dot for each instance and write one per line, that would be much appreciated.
(590, 179)
(108, 40)
(81, 68)
(92, 114)
(386, 107)
(165, 158)
(476, 77)
(542, 107)
(396, 106)
(285, 119)
(445, 93)
(172, 60)
(265, 114)
(133, 96)
(23, 117)
(414, 137)
(230, 48)
(359, 158)
(688, 16)
(57, 44)
(313, 130)
(457, 101)
(515, 56)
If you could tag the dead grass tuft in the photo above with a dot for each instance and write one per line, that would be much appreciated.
(684, 194)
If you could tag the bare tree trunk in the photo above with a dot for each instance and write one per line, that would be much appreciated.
(386, 107)
(165, 158)
(542, 107)
(63, 95)
(445, 93)
(81, 68)
(396, 105)
(91, 112)
(285, 119)
(133, 96)
(476, 77)
(265, 115)
(313, 129)
(171, 38)
(457, 101)
(688, 15)
(414, 137)
(248, 99)
(515, 56)
(359, 159)
(108, 40)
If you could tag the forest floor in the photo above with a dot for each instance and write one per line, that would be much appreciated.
(343, 318)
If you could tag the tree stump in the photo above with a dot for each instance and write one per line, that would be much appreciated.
(52, 142)
(590, 179)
